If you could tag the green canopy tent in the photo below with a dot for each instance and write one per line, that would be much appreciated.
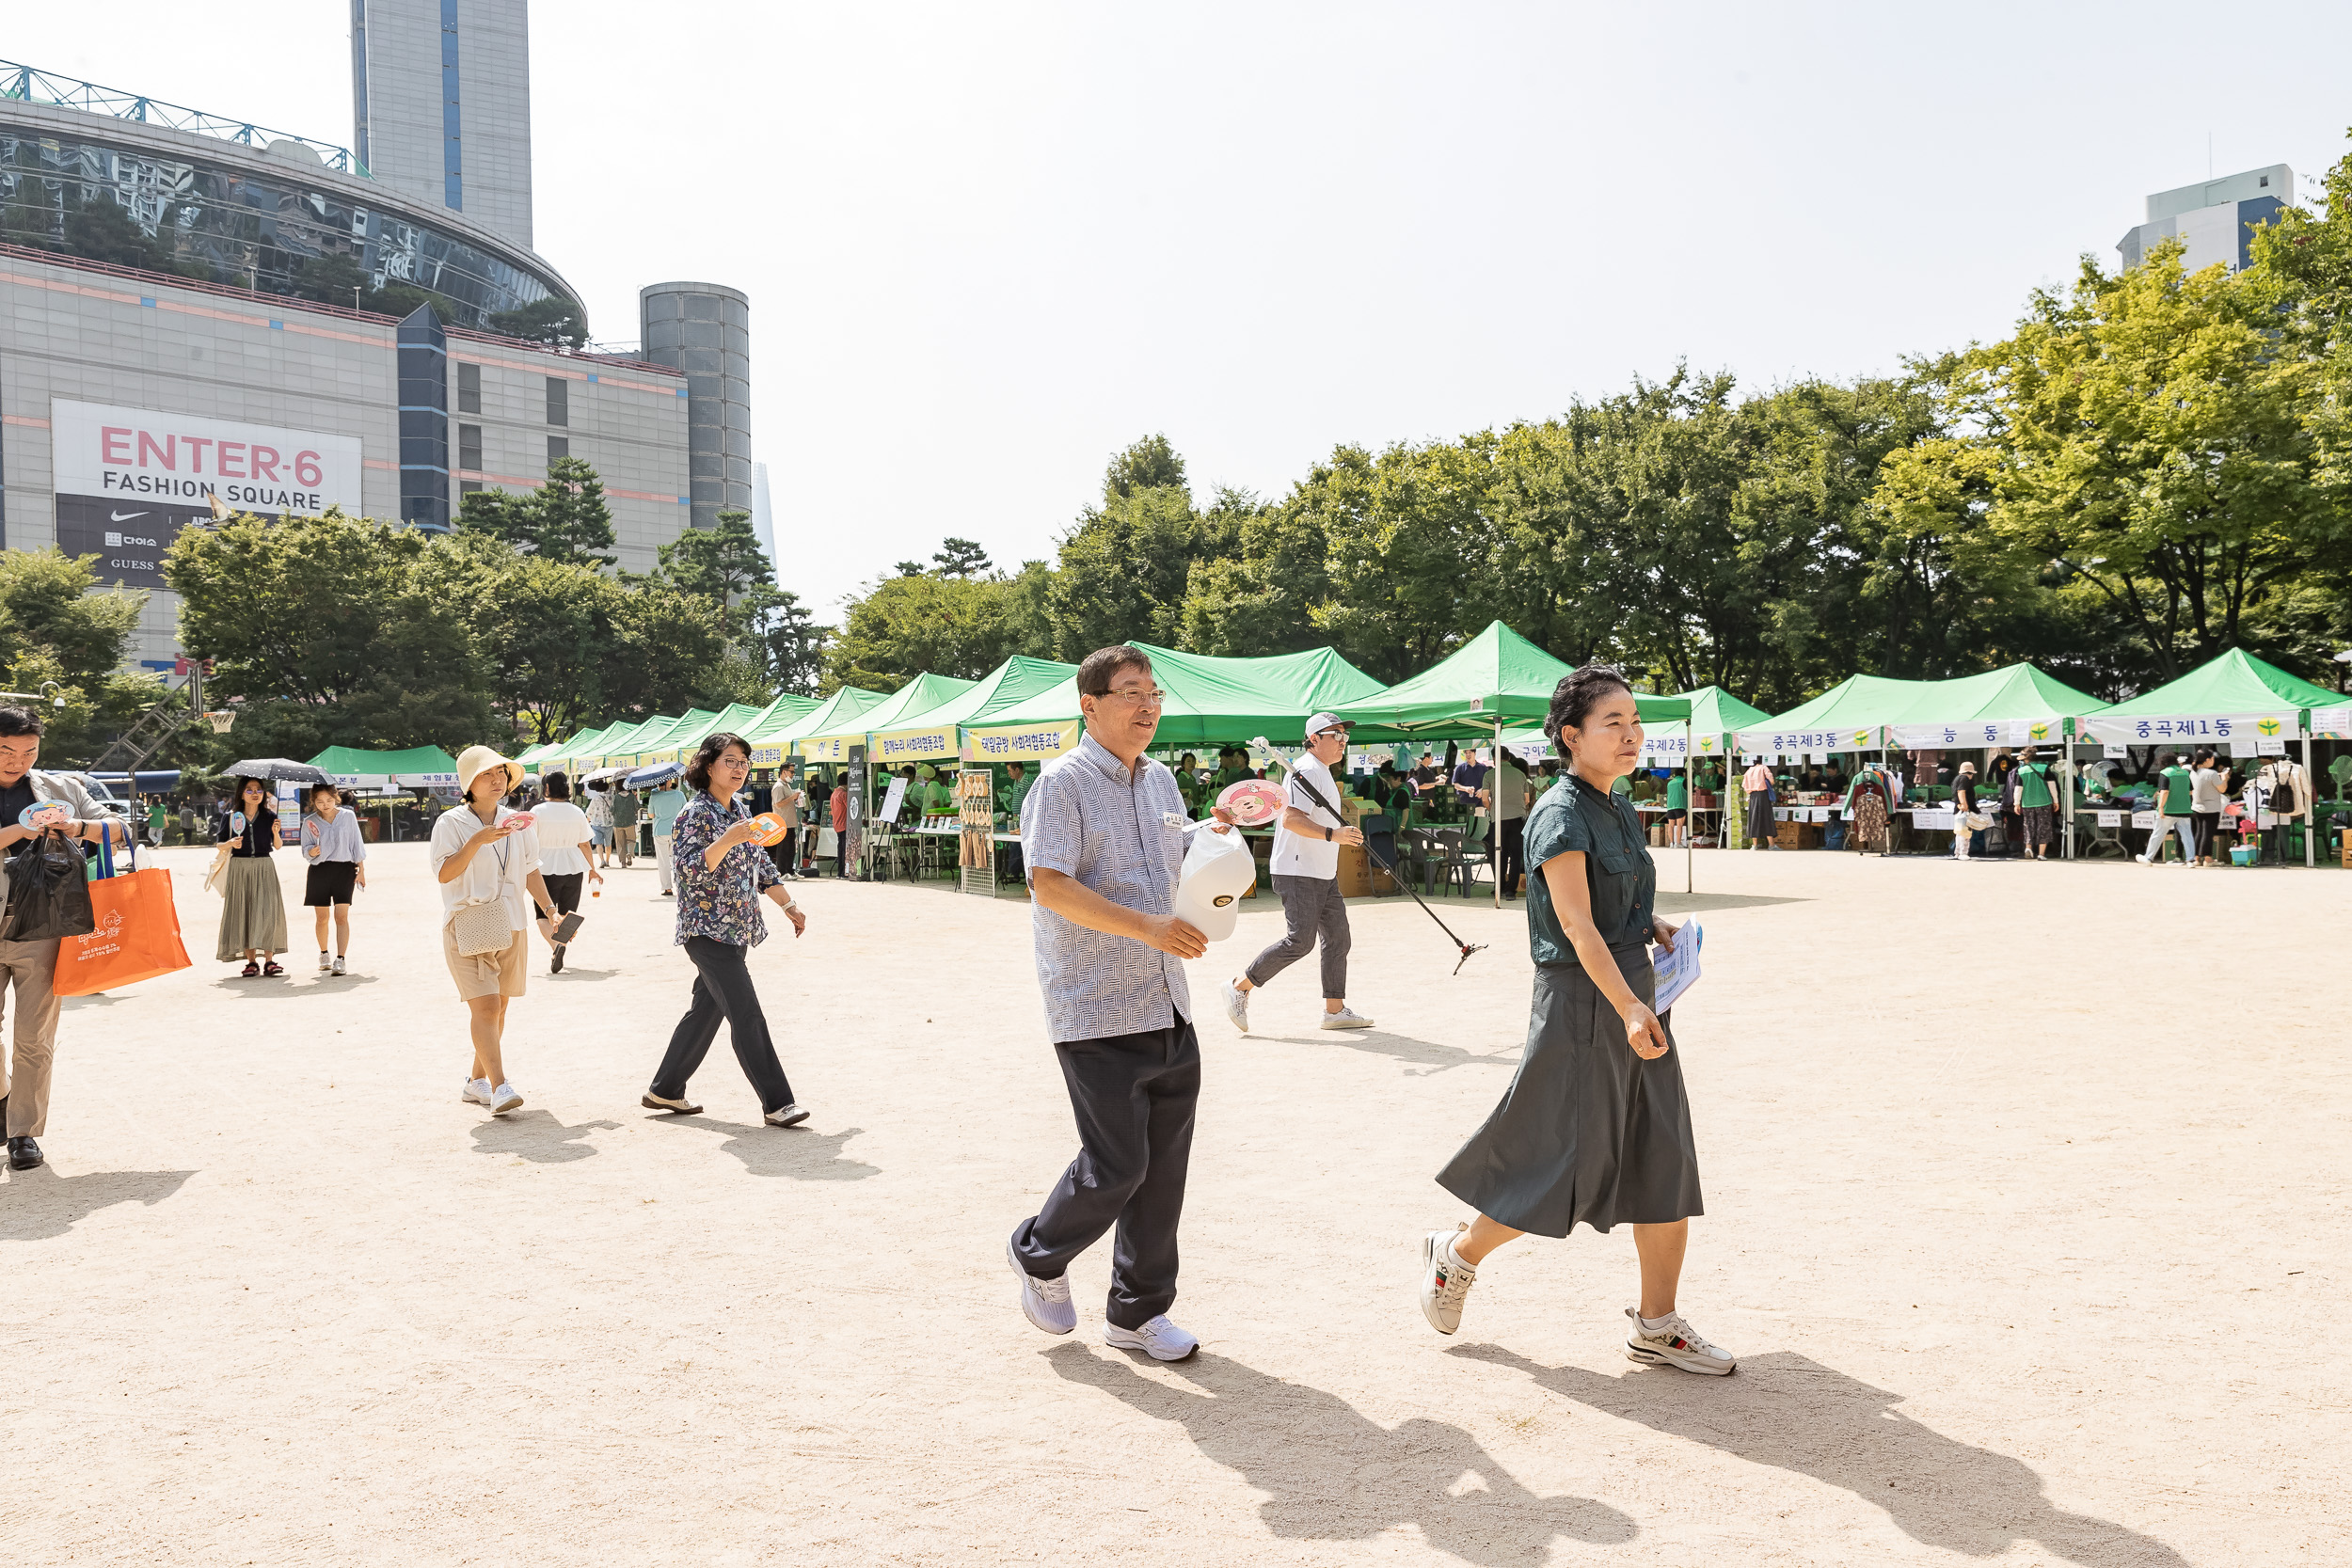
(563, 754)
(1211, 701)
(661, 744)
(1490, 683)
(923, 691)
(774, 740)
(2236, 697)
(935, 734)
(617, 750)
(417, 768)
(1716, 717)
(2017, 704)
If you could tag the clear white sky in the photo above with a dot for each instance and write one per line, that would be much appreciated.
(988, 244)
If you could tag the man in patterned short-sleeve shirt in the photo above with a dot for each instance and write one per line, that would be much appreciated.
(1104, 832)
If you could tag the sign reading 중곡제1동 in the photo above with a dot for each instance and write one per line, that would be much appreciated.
(127, 480)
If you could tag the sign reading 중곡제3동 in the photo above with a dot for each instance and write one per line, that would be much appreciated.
(127, 480)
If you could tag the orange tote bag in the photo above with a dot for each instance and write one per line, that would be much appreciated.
(138, 934)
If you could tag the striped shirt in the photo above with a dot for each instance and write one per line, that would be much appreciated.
(336, 839)
(1122, 836)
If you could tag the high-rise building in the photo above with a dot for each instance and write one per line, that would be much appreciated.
(704, 329)
(764, 518)
(2215, 220)
(440, 97)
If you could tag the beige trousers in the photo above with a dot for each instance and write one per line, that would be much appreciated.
(31, 967)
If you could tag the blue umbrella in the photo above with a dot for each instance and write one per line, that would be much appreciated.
(660, 772)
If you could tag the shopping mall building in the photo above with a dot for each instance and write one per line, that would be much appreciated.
(131, 398)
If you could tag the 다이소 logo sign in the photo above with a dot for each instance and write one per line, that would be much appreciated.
(129, 478)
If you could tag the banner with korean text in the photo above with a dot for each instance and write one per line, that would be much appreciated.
(1025, 743)
(2196, 729)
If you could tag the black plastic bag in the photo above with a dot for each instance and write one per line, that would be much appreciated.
(48, 892)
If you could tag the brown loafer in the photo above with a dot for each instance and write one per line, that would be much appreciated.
(652, 1101)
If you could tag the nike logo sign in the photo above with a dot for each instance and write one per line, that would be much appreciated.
(123, 517)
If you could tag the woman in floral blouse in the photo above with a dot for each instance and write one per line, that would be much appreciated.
(721, 872)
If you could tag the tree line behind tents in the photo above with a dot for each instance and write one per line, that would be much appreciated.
(2153, 468)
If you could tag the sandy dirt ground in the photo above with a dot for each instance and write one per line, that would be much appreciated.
(2027, 1216)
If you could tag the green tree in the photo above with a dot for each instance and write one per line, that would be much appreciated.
(335, 617)
(961, 557)
(1409, 536)
(560, 321)
(2145, 443)
(1150, 464)
(903, 625)
(564, 519)
(56, 624)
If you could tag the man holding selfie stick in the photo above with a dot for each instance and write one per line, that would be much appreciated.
(1306, 867)
(1103, 830)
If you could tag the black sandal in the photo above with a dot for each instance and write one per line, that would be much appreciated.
(272, 969)
(251, 970)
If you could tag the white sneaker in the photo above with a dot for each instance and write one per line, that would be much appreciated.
(504, 1099)
(785, 1116)
(323, 960)
(1675, 1343)
(1237, 1007)
(477, 1092)
(1159, 1339)
(1043, 1302)
(1346, 1018)
(339, 966)
(1445, 1280)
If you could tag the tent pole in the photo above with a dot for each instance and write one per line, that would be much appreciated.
(1690, 821)
(1494, 813)
(2311, 807)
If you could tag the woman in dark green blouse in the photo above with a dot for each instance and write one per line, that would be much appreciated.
(1595, 1126)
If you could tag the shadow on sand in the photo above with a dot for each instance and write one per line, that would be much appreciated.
(1427, 1056)
(38, 1203)
(1337, 1475)
(537, 1136)
(1791, 1412)
(792, 1151)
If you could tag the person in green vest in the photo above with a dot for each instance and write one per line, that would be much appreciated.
(2176, 794)
(1012, 792)
(939, 797)
(2038, 800)
(1678, 808)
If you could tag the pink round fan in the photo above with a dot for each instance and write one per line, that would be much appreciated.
(1254, 802)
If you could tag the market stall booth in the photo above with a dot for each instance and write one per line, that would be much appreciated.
(1873, 719)
(1495, 681)
(2268, 722)
(1211, 701)
(1696, 749)
(382, 783)
(893, 823)
(983, 830)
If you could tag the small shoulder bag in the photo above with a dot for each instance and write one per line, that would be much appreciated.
(484, 925)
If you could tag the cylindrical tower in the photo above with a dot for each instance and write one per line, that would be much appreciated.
(704, 329)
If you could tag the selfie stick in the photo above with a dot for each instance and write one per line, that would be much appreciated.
(1467, 947)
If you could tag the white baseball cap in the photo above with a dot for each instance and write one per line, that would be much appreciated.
(1323, 721)
(1208, 898)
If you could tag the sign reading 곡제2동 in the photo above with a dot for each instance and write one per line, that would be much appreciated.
(129, 478)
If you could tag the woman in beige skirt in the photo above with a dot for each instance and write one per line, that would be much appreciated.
(252, 909)
(486, 859)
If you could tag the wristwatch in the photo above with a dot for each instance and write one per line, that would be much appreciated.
(1326, 835)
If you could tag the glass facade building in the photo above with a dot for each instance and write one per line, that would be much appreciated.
(250, 217)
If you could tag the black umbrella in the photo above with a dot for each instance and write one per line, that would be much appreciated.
(277, 770)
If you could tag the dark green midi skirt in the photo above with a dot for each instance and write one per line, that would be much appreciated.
(1587, 1132)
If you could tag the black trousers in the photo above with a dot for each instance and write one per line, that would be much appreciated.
(1514, 854)
(1134, 1096)
(722, 989)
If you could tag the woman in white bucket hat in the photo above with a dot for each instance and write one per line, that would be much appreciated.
(486, 859)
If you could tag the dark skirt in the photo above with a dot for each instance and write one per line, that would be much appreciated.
(328, 883)
(1587, 1132)
(2040, 826)
(1760, 822)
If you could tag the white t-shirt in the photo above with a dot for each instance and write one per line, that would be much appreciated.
(497, 870)
(562, 828)
(1295, 854)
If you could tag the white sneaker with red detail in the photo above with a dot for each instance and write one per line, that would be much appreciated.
(1159, 1338)
(1445, 1280)
(1671, 1341)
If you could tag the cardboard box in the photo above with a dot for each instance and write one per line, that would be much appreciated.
(1798, 836)
(1355, 872)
